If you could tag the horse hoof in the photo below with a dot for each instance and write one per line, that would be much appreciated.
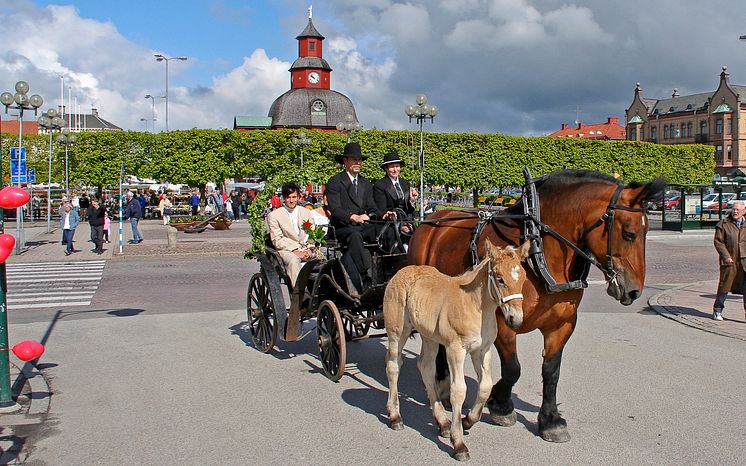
(557, 434)
(467, 423)
(462, 455)
(397, 425)
(504, 421)
(444, 432)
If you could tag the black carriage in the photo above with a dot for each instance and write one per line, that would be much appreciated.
(323, 291)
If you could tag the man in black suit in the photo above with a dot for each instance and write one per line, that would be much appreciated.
(391, 193)
(352, 206)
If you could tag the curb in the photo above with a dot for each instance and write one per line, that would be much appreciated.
(35, 401)
(660, 303)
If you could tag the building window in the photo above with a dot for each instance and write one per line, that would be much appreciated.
(312, 46)
(730, 126)
(719, 153)
(674, 132)
(642, 134)
(654, 133)
(703, 127)
(682, 134)
(719, 126)
(689, 129)
(632, 133)
(665, 131)
(730, 152)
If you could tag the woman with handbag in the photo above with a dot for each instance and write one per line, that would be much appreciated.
(164, 205)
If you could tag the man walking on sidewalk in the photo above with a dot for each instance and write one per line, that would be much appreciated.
(730, 243)
(96, 221)
(134, 213)
(69, 222)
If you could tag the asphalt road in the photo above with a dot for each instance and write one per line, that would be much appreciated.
(175, 381)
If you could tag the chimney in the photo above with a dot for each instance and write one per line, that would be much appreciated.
(580, 125)
(612, 121)
(94, 112)
(565, 125)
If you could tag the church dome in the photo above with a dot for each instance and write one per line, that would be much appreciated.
(308, 107)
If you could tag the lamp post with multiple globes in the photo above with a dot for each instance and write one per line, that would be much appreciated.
(421, 112)
(51, 122)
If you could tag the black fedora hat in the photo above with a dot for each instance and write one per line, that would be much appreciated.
(391, 157)
(352, 149)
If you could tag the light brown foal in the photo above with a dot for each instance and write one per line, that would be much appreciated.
(460, 314)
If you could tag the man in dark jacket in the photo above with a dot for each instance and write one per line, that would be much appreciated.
(96, 221)
(394, 194)
(194, 203)
(83, 204)
(352, 206)
(730, 243)
(143, 203)
(134, 213)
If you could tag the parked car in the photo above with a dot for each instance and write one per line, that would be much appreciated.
(741, 197)
(672, 203)
(711, 203)
(657, 204)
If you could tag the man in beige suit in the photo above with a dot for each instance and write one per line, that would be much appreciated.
(286, 231)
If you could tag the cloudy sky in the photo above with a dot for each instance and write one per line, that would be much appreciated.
(512, 66)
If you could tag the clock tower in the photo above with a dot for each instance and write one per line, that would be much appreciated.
(310, 102)
(310, 70)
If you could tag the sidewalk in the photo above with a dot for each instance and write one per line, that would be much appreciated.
(46, 247)
(691, 305)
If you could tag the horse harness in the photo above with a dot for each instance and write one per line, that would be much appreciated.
(533, 228)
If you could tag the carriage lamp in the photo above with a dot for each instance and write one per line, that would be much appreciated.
(348, 125)
(51, 122)
(301, 142)
(421, 112)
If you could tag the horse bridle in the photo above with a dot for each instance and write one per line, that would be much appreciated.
(494, 290)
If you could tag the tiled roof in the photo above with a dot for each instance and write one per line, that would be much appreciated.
(609, 130)
(293, 108)
(89, 122)
(311, 62)
(310, 31)
(684, 103)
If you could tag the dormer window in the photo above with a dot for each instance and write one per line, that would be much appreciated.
(312, 46)
(670, 109)
(689, 107)
(656, 111)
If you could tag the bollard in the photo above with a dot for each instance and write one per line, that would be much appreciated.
(172, 237)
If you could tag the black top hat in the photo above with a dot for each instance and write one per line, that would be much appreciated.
(391, 157)
(352, 149)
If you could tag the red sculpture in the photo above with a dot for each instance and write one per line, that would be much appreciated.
(28, 350)
(12, 197)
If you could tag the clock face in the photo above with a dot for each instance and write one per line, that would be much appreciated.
(317, 106)
(313, 77)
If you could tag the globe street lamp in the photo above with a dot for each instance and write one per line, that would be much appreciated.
(161, 57)
(152, 108)
(421, 112)
(302, 142)
(51, 122)
(22, 102)
(146, 123)
(348, 126)
(68, 140)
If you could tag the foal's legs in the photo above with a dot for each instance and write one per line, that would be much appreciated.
(426, 364)
(397, 338)
(481, 358)
(456, 355)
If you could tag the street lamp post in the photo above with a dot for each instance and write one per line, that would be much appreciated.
(22, 102)
(146, 123)
(68, 140)
(51, 122)
(348, 126)
(161, 57)
(152, 109)
(421, 112)
(302, 142)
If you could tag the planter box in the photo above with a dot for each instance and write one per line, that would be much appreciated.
(181, 226)
(220, 225)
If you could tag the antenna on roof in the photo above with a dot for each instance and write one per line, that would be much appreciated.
(577, 114)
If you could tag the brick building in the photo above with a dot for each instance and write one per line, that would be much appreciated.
(609, 131)
(714, 118)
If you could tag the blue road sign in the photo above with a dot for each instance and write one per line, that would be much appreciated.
(32, 175)
(14, 153)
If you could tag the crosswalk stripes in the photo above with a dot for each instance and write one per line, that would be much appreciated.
(52, 284)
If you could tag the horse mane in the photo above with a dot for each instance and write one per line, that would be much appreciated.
(563, 179)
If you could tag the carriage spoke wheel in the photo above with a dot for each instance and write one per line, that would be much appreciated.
(354, 329)
(331, 339)
(261, 314)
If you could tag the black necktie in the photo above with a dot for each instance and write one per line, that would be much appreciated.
(354, 184)
(399, 191)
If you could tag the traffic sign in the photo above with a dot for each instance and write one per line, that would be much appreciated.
(14, 153)
(32, 175)
(18, 171)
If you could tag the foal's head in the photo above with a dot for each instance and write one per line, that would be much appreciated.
(506, 279)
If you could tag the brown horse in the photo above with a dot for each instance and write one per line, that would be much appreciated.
(576, 205)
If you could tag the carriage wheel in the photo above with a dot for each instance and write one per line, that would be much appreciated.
(261, 314)
(331, 339)
(354, 329)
